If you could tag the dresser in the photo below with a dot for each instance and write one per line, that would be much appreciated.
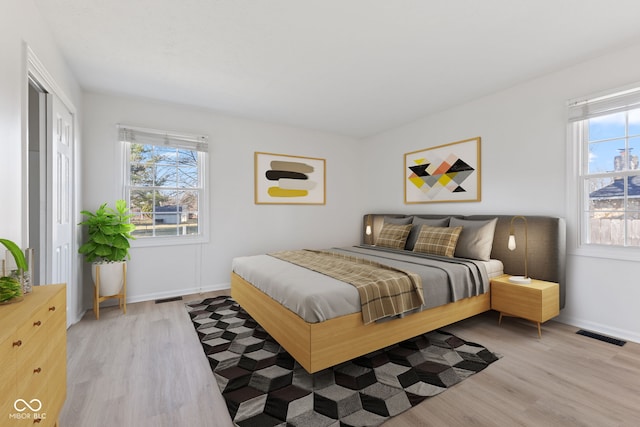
(33, 358)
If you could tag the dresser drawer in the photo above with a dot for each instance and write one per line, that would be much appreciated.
(29, 331)
(49, 387)
(31, 374)
(34, 356)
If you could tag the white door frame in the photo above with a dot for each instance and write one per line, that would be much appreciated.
(34, 69)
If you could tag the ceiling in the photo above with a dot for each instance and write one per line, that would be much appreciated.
(352, 67)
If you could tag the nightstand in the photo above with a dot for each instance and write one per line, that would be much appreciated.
(537, 301)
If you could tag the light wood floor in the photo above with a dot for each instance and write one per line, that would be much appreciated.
(147, 368)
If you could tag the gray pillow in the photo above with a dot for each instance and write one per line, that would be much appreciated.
(417, 223)
(476, 239)
(398, 221)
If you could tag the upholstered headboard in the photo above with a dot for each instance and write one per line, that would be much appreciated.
(546, 244)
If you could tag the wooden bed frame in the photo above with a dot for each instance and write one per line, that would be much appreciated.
(317, 346)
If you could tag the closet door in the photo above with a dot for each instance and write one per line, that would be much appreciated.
(59, 194)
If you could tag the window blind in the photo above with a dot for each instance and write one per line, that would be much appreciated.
(616, 102)
(162, 138)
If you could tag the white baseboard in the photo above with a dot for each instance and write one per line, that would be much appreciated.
(163, 295)
(152, 297)
(178, 293)
(622, 334)
(73, 320)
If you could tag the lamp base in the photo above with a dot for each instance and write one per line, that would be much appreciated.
(520, 279)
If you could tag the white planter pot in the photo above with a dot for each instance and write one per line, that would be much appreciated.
(111, 277)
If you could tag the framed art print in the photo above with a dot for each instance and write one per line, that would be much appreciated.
(285, 179)
(445, 173)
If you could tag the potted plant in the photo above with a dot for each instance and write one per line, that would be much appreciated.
(107, 245)
(11, 286)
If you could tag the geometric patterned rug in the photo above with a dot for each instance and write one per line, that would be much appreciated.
(264, 386)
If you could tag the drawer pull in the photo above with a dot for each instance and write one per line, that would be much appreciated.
(17, 343)
(37, 370)
(38, 323)
(52, 308)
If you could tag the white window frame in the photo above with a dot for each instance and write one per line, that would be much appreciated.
(579, 110)
(193, 142)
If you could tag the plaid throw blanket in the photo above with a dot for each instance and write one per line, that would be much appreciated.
(384, 290)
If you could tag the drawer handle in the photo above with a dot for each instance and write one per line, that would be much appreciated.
(52, 308)
(17, 343)
(37, 370)
(38, 323)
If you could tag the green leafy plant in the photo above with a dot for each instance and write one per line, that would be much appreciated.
(10, 287)
(109, 232)
(16, 252)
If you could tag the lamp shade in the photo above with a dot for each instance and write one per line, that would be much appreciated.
(511, 244)
(368, 230)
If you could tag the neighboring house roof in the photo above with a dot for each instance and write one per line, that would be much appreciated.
(616, 189)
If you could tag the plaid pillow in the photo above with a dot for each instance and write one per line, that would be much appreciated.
(393, 235)
(437, 240)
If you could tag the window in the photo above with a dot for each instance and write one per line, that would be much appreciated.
(165, 183)
(606, 131)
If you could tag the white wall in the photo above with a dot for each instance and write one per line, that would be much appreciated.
(237, 225)
(22, 26)
(524, 164)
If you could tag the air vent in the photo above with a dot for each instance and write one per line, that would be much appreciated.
(160, 301)
(604, 338)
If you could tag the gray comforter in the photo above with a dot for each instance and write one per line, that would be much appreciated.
(316, 297)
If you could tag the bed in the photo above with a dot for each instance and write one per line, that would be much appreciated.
(318, 340)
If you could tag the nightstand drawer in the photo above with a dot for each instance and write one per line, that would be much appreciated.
(537, 301)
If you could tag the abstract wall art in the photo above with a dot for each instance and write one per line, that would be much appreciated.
(284, 179)
(445, 173)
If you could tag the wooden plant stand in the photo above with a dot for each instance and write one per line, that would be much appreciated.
(121, 296)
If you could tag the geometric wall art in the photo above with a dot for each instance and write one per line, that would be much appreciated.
(285, 179)
(445, 173)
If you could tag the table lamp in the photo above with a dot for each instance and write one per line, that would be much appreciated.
(512, 246)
